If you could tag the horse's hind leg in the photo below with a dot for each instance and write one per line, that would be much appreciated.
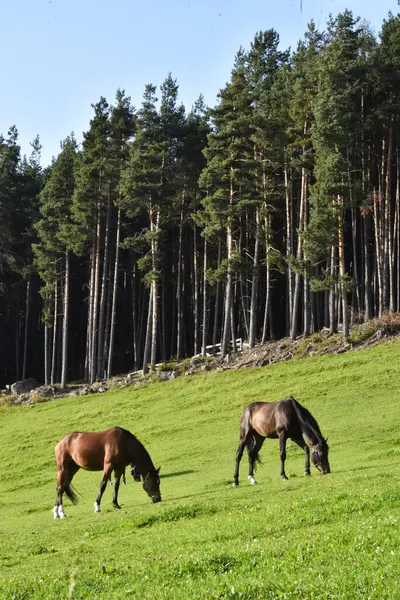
(65, 473)
(60, 491)
(106, 476)
(282, 447)
(239, 454)
(300, 442)
(254, 444)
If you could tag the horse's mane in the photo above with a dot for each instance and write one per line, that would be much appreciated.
(129, 434)
(134, 439)
(310, 425)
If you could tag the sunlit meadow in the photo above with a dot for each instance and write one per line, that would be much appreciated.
(322, 537)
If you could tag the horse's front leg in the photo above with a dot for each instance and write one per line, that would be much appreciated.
(239, 454)
(300, 442)
(117, 475)
(106, 476)
(282, 447)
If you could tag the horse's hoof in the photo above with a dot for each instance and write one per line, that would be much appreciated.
(234, 484)
(252, 480)
(307, 474)
(55, 512)
(285, 478)
(117, 507)
(96, 507)
(63, 516)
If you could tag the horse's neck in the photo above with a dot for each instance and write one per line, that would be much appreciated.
(140, 458)
(312, 438)
(312, 432)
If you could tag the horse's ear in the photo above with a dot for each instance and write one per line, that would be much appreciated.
(158, 470)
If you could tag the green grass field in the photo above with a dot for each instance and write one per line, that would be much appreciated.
(327, 537)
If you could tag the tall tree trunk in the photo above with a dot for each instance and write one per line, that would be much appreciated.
(306, 280)
(289, 248)
(389, 299)
(378, 249)
(267, 283)
(163, 328)
(101, 350)
(134, 321)
(367, 270)
(55, 336)
(89, 329)
(107, 327)
(155, 292)
(179, 315)
(332, 294)
(27, 309)
(95, 319)
(17, 335)
(205, 320)
(397, 231)
(147, 345)
(229, 283)
(216, 306)
(46, 355)
(254, 283)
(64, 360)
(195, 293)
(342, 268)
(228, 295)
(114, 297)
(299, 253)
(356, 291)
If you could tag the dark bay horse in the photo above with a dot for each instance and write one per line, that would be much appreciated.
(107, 451)
(280, 420)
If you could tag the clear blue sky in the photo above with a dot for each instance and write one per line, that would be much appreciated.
(59, 56)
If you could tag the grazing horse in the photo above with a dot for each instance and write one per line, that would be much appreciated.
(107, 451)
(280, 420)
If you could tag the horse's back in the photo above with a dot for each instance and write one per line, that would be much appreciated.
(269, 418)
(90, 449)
(261, 418)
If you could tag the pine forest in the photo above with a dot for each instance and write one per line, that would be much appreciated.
(170, 233)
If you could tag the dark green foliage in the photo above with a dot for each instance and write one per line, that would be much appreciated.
(250, 219)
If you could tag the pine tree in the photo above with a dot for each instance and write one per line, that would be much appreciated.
(91, 211)
(304, 81)
(122, 127)
(267, 78)
(228, 176)
(56, 232)
(335, 111)
(141, 186)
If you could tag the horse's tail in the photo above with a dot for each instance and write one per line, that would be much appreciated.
(308, 424)
(71, 493)
(247, 434)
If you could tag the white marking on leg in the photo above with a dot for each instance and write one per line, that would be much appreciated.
(252, 480)
(235, 484)
(96, 507)
(61, 512)
(55, 511)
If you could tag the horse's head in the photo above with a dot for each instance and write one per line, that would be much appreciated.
(151, 485)
(319, 457)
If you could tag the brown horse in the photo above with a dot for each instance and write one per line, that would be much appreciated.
(280, 420)
(107, 451)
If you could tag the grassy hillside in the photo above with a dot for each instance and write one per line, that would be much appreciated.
(319, 537)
